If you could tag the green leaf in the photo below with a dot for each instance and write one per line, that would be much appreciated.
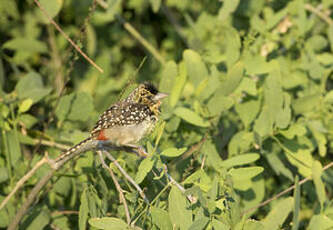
(201, 179)
(144, 168)
(228, 8)
(219, 225)
(273, 93)
(161, 218)
(64, 106)
(240, 142)
(25, 105)
(3, 174)
(83, 211)
(329, 97)
(168, 77)
(173, 152)
(321, 142)
(195, 67)
(63, 186)
(283, 117)
(320, 222)
(256, 65)
(82, 107)
(294, 130)
(306, 104)
(31, 86)
(190, 116)
(41, 219)
(26, 45)
(251, 224)
(52, 7)
(199, 224)
(219, 103)
(278, 166)
(213, 158)
(279, 213)
(245, 173)
(13, 147)
(180, 215)
(317, 170)
(232, 81)
(178, 85)
(303, 160)
(297, 203)
(264, 125)
(240, 160)
(155, 5)
(110, 223)
(248, 111)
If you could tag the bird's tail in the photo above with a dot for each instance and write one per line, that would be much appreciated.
(81, 147)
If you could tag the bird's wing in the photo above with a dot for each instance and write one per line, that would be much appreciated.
(121, 114)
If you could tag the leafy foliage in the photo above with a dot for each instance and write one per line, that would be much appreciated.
(249, 109)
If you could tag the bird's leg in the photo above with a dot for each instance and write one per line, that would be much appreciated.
(139, 150)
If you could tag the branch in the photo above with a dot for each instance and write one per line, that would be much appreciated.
(115, 181)
(34, 192)
(130, 29)
(283, 192)
(22, 181)
(320, 14)
(108, 155)
(66, 37)
(42, 182)
(51, 144)
(191, 198)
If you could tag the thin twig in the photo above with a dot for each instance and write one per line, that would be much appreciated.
(67, 37)
(320, 14)
(196, 147)
(283, 192)
(34, 192)
(51, 144)
(120, 190)
(142, 194)
(130, 29)
(20, 183)
(65, 212)
(191, 198)
(42, 182)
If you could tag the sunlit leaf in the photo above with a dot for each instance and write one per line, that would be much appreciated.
(173, 152)
(144, 168)
(179, 213)
(190, 116)
(195, 67)
(279, 213)
(108, 223)
(240, 160)
(320, 188)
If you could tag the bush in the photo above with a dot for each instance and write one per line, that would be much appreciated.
(249, 112)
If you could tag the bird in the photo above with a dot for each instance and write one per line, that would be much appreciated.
(125, 122)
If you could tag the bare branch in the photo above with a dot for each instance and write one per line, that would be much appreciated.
(320, 14)
(32, 196)
(137, 187)
(120, 190)
(67, 38)
(130, 29)
(20, 183)
(283, 192)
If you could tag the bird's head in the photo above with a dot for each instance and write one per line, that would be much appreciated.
(147, 93)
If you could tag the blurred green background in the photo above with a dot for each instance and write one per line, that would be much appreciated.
(249, 110)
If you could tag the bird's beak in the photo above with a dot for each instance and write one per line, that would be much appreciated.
(160, 96)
